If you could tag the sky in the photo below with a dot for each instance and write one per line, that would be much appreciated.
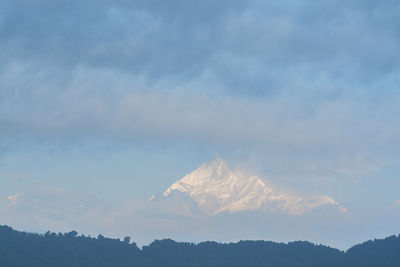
(109, 102)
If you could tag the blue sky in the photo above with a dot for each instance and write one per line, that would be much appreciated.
(118, 99)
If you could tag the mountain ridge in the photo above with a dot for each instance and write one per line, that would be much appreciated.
(215, 188)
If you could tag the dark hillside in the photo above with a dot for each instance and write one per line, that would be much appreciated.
(379, 252)
(20, 249)
(26, 249)
(243, 253)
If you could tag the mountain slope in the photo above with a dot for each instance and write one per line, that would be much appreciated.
(215, 188)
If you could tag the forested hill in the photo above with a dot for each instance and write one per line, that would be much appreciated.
(69, 249)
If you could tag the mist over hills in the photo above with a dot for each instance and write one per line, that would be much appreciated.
(21, 249)
(216, 201)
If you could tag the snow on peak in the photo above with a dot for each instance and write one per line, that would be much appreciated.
(216, 188)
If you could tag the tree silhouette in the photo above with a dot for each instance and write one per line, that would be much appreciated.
(21, 249)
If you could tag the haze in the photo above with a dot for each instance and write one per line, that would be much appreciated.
(106, 103)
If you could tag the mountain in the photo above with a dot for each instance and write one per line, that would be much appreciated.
(215, 188)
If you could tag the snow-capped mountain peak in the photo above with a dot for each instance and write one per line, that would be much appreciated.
(214, 187)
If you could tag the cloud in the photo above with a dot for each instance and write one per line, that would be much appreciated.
(177, 37)
(396, 204)
(322, 200)
(225, 73)
(79, 109)
(54, 208)
(13, 199)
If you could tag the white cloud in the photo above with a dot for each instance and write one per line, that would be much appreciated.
(301, 206)
(321, 200)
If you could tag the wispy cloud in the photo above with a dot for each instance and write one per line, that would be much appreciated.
(396, 204)
(13, 198)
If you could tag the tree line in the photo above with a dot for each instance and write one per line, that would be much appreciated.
(22, 249)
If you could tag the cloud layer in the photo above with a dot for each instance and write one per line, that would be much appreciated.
(307, 90)
(236, 73)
